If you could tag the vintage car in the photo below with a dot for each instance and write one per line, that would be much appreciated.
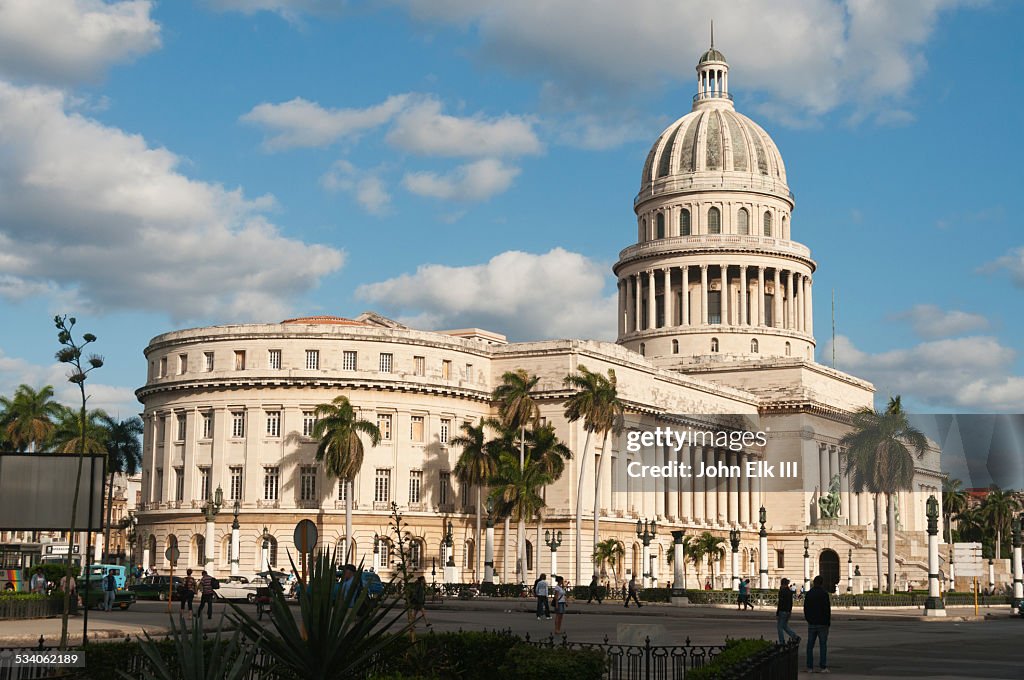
(90, 586)
(156, 588)
(240, 587)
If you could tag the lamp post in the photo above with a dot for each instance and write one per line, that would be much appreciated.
(807, 564)
(991, 576)
(763, 549)
(210, 510)
(489, 543)
(1018, 582)
(236, 539)
(849, 571)
(645, 531)
(266, 549)
(131, 534)
(451, 571)
(552, 540)
(734, 540)
(933, 605)
(678, 560)
(433, 573)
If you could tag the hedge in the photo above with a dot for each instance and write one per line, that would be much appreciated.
(736, 652)
(30, 605)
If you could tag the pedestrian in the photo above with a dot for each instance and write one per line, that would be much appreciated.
(37, 584)
(558, 594)
(348, 576)
(540, 589)
(69, 586)
(418, 600)
(109, 590)
(707, 584)
(625, 593)
(631, 592)
(206, 585)
(747, 600)
(595, 591)
(818, 614)
(784, 611)
(743, 601)
(187, 592)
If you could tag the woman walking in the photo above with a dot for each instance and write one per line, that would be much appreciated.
(784, 611)
(558, 594)
(418, 600)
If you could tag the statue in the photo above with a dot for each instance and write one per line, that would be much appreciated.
(829, 503)
(856, 570)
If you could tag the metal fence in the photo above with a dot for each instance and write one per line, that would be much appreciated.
(641, 662)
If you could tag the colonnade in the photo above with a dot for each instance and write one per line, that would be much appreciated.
(755, 296)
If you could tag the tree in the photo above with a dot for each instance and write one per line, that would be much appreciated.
(68, 429)
(477, 463)
(517, 409)
(712, 548)
(882, 446)
(998, 510)
(28, 417)
(596, 402)
(954, 502)
(515, 489)
(124, 457)
(339, 430)
(611, 552)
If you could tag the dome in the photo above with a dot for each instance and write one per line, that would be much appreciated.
(324, 320)
(711, 55)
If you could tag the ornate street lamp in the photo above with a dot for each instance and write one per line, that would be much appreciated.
(552, 540)
(646, 531)
(210, 510)
(763, 549)
(807, 564)
(266, 550)
(933, 606)
(734, 540)
(489, 542)
(236, 538)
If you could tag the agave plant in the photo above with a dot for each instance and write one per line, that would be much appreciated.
(197, 659)
(337, 633)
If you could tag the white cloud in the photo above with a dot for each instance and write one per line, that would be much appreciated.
(66, 41)
(558, 294)
(476, 181)
(424, 129)
(1012, 262)
(89, 207)
(973, 373)
(291, 10)
(367, 188)
(301, 123)
(930, 321)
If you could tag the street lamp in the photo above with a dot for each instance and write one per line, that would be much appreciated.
(1018, 567)
(236, 538)
(266, 549)
(210, 510)
(734, 541)
(933, 606)
(552, 540)
(131, 525)
(763, 549)
(807, 564)
(645, 532)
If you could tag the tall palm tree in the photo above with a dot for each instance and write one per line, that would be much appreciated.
(712, 548)
(68, 430)
(954, 502)
(124, 456)
(28, 417)
(517, 409)
(998, 509)
(476, 465)
(515, 490)
(882, 446)
(611, 552)
(340, 451)
(544, 447)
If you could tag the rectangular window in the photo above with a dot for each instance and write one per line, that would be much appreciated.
(274, 359)
(385, 362)
(780, 559)
(161, 430)
(239, 359)
(308, 423)
(446, 370)
(163, 367)
(207, 425)
(445, 432)
(207, 361)
(464, 494)
(204, 483)
(182, 363)
(342, 489)
(384, 425)
(714, 306)
(236, 483)
(469, 372)
(444, 494)
(182, 421)
(348, 360)
(158, 492)
(307, 483)
(179, 484)
(312, 359)
(382, 486)
(769, 310)
(271, 483)
(419, 365)
(416, 429)
(238, 424)
(273, 423)
(415, 485)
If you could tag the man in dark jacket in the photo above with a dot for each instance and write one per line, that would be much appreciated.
(818, 614)
(784, 611)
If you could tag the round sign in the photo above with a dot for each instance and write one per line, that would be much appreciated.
(172, 554)
(305, 536)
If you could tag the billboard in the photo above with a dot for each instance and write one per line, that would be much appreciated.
(37, 491)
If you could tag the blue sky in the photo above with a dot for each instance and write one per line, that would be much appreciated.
(173, 164)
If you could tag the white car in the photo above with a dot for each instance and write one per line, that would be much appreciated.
(240, 588)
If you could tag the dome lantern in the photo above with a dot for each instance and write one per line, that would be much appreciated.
(712, 78)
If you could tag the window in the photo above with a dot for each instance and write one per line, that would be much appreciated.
(308, 423)
(238, 424)
(204, 483)
(780, 559)
(446, 370)
(416, 428)
(675, 347)
(419, 366)
(274, 359)
(348, 360)
(182, 363)
(415, 554)
(415, 485)
(382, 486)
(467, 554)
(529, 556)
(714, 306)
(158, 492)
(643, 229)
(714, 221)
(753, 346)
(789, 349)
(385, 362)
(743, 222)
(714, 344)
(307, 483)
(207, 361)
(767, 223)
(684, 222)
(161, 429)
(273, 423)
(312, 359)
(469, 372)
(179, 483)
(271, 482)
(464, 494)
(643, 349)
(342, 489)
(207, 425)
(784, 233)
(660, 228)
(445, 431)
(384, 425)
(769, 306)
(239, 359)
(444, 488)
(163, 367)
(182, 423)
(236, 483)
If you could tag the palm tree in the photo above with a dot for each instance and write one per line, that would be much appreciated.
(338, 427)
(124, 457)
(596, 402)
(954, 502)
(28, 417)
(517, 409)
(712, 548)
(881, 447)
(68, 430)
(515, 490)
(998, 509)
(611, 552)
(476, 465)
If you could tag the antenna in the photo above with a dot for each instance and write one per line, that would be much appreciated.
(712, 34)
(833, 328)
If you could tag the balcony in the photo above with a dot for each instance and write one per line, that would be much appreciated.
(382, 505)
(268, 504)
(308, 504)
(446, 507)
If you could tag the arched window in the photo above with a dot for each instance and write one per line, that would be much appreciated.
(199, 550)
(467, 556)
(172, 542)
(340, 547)
(675, 347)
(225, 552)
(151, 542)
(660, 233)
(743, 222)
(415, 554)
(643, 229)
(643, 349)
(382, 554)
(714, 344)
(529, 556)
(785, 228)
(789, 350)
(714, 221)
(271, 548)
(767, 223)
(753, 346)
(684, 222)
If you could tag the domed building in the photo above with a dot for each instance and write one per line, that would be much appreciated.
(715, 334)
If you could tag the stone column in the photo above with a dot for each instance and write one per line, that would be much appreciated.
(699, 497)
(808, 307)
(777, 300)
(933, 605)
(742, 317)
(208, 546)
(823, 471)
(844, 493)
(790, 306)
(744, 517)
(236, 546)
(710, 489)
(678, 559)
(734, 490)
(684, 303)
(686, 487)
(760, 296)
(622, 309)
(704, 294)
(652, 306)
(798, 302)
(666, 296)
(833, 463)
(725, 296)
(722, 485)
(637, 301)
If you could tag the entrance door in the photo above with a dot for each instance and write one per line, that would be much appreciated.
(828, 567)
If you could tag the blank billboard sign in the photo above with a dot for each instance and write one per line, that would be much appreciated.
(37, 491)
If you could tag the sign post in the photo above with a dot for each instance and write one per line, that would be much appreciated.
(172, 554)
(305, 537)
(969, 562)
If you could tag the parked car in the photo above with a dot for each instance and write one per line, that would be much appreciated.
(156, 588)
(90, 586)
(240, 588)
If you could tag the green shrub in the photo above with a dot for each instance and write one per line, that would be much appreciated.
(53, 571)
(526, 662)
(736, 652)
(656, 594)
